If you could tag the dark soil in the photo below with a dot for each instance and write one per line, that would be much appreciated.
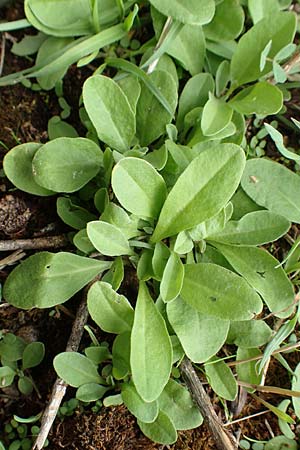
(24, 116)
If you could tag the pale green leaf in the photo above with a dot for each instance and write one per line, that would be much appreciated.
(221, 379)
(108, 239)
(296, 387)
(204, 335)
(66, 164)
(195, 12)
(260, 269)
(203, 189)
(263, 98)
(145, 411)
(161, 430)
(249, 333)
(47, 279)
(109, 111)
(227, 23)
(33, 355)
(259, 9)
(247, 371)
(172, 279)
(203, 288)
(75, 369)
(274, 187)
(90, 392)
(151, 349)
(111, 312)
(145, 190)
(121, 356)
(73, 215)
(216, 116)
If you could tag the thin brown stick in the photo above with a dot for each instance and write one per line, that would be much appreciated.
(60, 386)
(224, 440)
(228, 424)
(12, 258)
(2, 57)
(34, 244)
(270, 389)
(286, 348)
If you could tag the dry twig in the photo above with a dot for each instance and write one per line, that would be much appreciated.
(224, 440)
(34, 244)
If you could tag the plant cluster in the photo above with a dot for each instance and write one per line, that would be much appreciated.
(162, 185)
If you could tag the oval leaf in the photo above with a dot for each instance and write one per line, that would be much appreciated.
(273, 186)
(161, 430)
(145, 190)
(109, 111)
(261, 271)
(151, 349)
(221, 380)
(111, 312)
(172, 279)
(194, 12)
(249, 333)
(90, 392)
(202, 190)
(255, 228)
(66, 164)
(204, 335)
(203, 288)
(107, 238)
(48, 279)
(216, 116)
(263, 98)
(75, 369)
(33, 355)
(17, 165)
(146, 412)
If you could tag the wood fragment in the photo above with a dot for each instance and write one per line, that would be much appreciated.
(60, 387)
(34, 244)
(224, 440)
(12, 258)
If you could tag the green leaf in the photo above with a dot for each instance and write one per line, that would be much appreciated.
(73, 215)
(131, 87)
(12, 347)
(75, 369)
(121, 356)
(111, 312)
(172, 279)
(243, 204)
(145, 190)
(195, 12)
(90, 392)
(227, 23)
(260, 269)
(82, 242)
(259, 9)
(249, 333)
(177, 403)
(33, 355)
(221, 379)
(274, 187)
(204, 335)
(47, 279)
(264, 55)
(58, 128)
(195, 93)
(283, 425)
(25, 385)
(203, 189)
(110, 112)
(17, 165)
(97, 354)
(247, 371)
(115, 275)
(161, 430)
(296, 387)
(278, 140)
(255, 228)
(216, 116)
(66, 164)
(203, 288)
(245, 64)
(108, 239)
(146, 412)
(151, 349)
(281, 442)
(151, 110)
(263, 98)
(7, 376)
(222, 77)
(160, 258)
(183, 244)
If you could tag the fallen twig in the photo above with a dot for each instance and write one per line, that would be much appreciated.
(60, 387)
(224, 440)
(12, 258)
(3, 43)
(34, 244)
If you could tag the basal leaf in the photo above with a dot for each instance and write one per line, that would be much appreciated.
(249, 333)
(245, 64)
(111, 312)
(33, 355)
(255, 228)
(145, 190)
(216, 116)
(121, 356)
(172, 279)
(151, 349)
(247, 371)
(73, 215)
(203, 189)
(109, 111)
(203, 288)
(107, 238)
(151, 111)
(162, 430)
(17, 165)
(261, 271)
(296, 387)
(90, 392)
(263, 98)
(203, 337)
(75, 369)
(195, 12)
(47, 279)
(227, 23)
(221, 379)
(146, 412)
(66, 164)
(259, 9)
(176, 401)
(274, 187)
